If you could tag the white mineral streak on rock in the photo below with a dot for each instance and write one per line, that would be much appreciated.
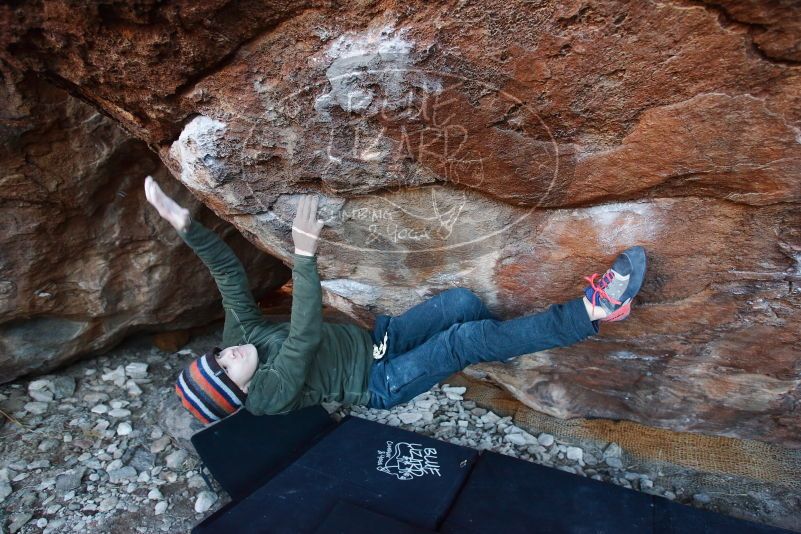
(356, 292)
(383, 51)
(197, 151)
(378, 56)
(620, 225)
(482, 276)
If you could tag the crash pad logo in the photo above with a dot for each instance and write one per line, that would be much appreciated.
(408, 460)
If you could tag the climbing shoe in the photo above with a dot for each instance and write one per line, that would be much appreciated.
(610, 295)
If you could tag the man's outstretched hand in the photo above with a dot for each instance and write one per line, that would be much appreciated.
(177, 216)
(306, 228)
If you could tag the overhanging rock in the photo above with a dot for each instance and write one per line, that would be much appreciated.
(507, 148)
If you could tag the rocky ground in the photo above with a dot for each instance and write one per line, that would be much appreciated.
(86, 450)
(102, 445)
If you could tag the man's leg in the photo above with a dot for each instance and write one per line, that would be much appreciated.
(397, 380)
(420, 322)
(402, 378)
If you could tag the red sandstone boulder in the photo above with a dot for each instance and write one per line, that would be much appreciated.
(507, 147)
(85, 260)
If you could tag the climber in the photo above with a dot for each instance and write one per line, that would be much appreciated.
(276, 367)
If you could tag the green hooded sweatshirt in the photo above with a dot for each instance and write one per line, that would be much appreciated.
(302, 362)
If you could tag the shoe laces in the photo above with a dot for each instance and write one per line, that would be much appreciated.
(381, 349)
(599, 289)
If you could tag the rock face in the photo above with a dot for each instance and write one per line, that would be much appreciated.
(507, 147)
(85, 260)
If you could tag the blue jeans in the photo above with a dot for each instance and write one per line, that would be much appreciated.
(453, 329)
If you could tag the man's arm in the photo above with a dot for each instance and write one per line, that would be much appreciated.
(276, 386)
(228, 273)
(225, 267)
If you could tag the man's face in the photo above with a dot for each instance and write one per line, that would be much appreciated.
(239, 363)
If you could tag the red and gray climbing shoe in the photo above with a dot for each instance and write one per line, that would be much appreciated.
(610, 295)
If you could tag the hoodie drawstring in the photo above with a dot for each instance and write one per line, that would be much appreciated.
(244, 334)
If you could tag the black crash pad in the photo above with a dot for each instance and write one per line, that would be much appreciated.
(243, 450)
(674, 518)
(508, 495)
(386, 470)
(347, 518)
(504, 494)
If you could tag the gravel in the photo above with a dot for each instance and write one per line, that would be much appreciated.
(5, 490)
(90, 451)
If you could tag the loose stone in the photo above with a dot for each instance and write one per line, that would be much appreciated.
(122, 475)
(574, 453)
(205, 500)
(137, 370)
(36, 408)
(410, 417)
(175, 459)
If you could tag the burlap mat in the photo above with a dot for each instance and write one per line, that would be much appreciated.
(744, 459)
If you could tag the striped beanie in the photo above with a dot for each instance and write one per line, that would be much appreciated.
(206, 391)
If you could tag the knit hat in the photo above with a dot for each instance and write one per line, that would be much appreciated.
(206, 391)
